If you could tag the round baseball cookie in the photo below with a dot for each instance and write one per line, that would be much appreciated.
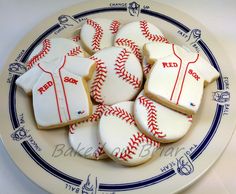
(122, 140)
(135, 35)
(52, 48)
(146, 67)
(98, 33)
(83, 136)
(159, 122)
(118, 76)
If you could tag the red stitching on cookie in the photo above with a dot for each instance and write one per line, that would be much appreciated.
(146, 68)
(148, 35)
(99, 79)
(72, 129)
(114, 27)
(75, 51)
(76, 38)
(97, 36)
(135, 140)
(99, 151)
(151, 117)
(122, 72)
(46, 48)
(190, 118)
(100, 109)
(120, 113)
(129, 43)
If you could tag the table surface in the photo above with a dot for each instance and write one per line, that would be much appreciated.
(19, 17)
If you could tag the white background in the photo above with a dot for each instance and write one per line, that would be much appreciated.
(18, 17)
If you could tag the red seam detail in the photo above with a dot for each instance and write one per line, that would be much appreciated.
(99, 151)
(122, 72)
(178, 72)
(75, 51)
(151, 116)
(97, 36)
(153, 37)
(129, 43)
(146, 69)
(76, 38)
(58, 109)
(46, 48)
(190, 118)
(72, 129)
(63, 87)
(100, 109)
(182, 84)
(114, 27)
(99, 79)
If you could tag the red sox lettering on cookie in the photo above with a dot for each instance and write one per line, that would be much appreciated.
(56, 102)
(178, 79)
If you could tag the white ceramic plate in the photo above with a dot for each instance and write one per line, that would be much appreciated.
(45, 155)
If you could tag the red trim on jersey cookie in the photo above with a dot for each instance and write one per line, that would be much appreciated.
(63, 87)
(114, 27)
(46, 48)
(192, 62)
(99, 79)
(132, 45)
(135, 141)
(97, 36)
(75, 51)
(153, 37)
(151, 116)
(122, 72)
(55, 91)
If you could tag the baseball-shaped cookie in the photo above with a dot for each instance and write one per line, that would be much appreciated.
(159, 122)
(83, 136)
(135, 35)
(123, 141)
(50, 49)
(118, 76)
(98, 33)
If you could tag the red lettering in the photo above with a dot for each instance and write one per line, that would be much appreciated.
(194, 74)
(169, 64)
(70, 80)
(45, 87)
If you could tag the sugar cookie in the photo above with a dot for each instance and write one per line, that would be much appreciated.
(98, 33)
(159, 122)
(123, 141)
(83, 136)
(118, 76)
(135, 35)
(60, 95)
(177, 80)
(52, 48)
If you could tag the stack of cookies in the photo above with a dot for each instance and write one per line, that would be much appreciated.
(121, 88)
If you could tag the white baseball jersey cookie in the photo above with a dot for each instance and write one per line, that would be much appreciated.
(83, 136)
(52, 48)
(159, 122)
(59, 90)
(177, 80)
(123, 141)
(135, 35)
(98, 33)
(118, 76)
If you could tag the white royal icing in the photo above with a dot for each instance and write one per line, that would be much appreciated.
(159, 122)
(178, 80)
(52, 48)
(118, 76)
(98, 33)
(135, 35)
(58, 88)
(83, 136)
(123, 141)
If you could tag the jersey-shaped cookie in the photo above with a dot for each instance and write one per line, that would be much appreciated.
(83, 136)
(98, 33)
(178, 80)
(52, 48)
(159, 122)
(123, 141)
(135, 35)
(60, 94)
(118, 76)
